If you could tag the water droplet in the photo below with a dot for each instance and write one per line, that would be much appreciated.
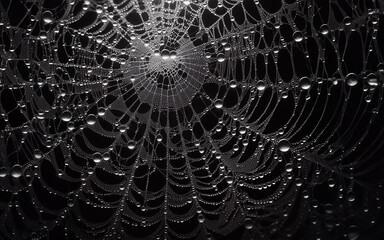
(97, 157)
(220, 57)
(99, 9)
(229, 179)
(298, 182)
(324, 29)
(91, 119)
(372, 80)
(165, 54)
(218, 103)
(289, 167)
(260, 85)
(101, 111)
(233, 84)
(159, 137)
(131, 145)
(3, 172)
(16, 171)
(47, 17)
(305, 83)
(248, 224)
(284, 145)
(66, 116)
(298, 36)
(227, 47)
(350, 197)
(351, 79)
(106, 156)
(37, 154)
(331, 182)
(353, 233)
(200, 218)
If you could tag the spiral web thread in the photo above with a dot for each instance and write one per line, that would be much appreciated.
(189, 119)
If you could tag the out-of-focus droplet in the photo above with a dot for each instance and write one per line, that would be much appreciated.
(200, 218)
(331, 182)
(248, 224)
(372, 80)
(37, 154)
(3, 172)
(351, 196)
(353, 233)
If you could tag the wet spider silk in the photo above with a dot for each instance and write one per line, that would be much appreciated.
(195, 119)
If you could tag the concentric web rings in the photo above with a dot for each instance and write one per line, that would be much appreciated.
(191, 119)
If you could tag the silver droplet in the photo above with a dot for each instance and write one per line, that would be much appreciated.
(351, 79)
(66, 116)
(91, 119)
(47, 17)
(284, 145)
(218, 103)
(16, 171)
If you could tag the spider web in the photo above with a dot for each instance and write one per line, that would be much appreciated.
(190, 119)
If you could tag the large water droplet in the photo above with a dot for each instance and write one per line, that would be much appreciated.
(298, 36)
(101, 111)
(284, 145)
(91, 119)
(233, 84)
(220, 57)
(324, 29)
(97, 157)
(47, 17)
(159, 137)
(289, 167)
(352, 79)
(131, 145)
(66, 116)
(16, 171)
(305, 83)
(260, 85)
(218, 103)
